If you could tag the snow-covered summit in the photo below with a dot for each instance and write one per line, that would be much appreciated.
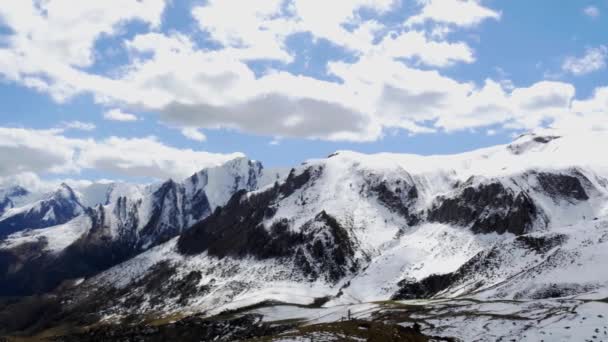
(542, 150)
(50, 209)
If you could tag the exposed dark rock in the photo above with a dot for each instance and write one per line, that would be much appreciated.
(540, 244)
(399, 199)
(330, 246)
(545, 139)
(236, 230)
(557, 291)
(165, 205)
(563, 185)
(424, 288)
(487, 208)
(193, 329)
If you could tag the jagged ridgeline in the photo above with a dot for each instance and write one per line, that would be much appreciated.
(523, 221)
(79, 241)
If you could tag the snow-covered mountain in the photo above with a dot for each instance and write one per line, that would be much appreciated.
(22, 210)
(526, 221)
(361, 228)
(127, 220)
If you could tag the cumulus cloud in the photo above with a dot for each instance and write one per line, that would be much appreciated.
(594, 59)
(118, 115)
(464, 13)
(415, 44)
(146, 157)
(66, 30)
(392, 78)
(24, 151)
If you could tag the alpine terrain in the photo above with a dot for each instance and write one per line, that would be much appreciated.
(507, 243)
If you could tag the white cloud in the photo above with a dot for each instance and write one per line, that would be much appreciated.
(254, 31)
(147, 157)
(66, 30)
(464, 13)
(194, 87)
(48, 151)
(118, 115)
(593, 60)
(37, 151)
(193, 133)
(79, 125)
(327, 21)
(591, 11)
(381, 86)
(430, 52)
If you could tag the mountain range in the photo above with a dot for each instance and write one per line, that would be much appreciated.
(507, 242)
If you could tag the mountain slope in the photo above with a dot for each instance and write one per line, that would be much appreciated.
(357, 228)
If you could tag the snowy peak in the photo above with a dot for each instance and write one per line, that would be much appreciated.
(219, 183)
(531, 142)
(57, 207)
(65, 192)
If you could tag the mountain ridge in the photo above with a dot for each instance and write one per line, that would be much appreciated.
(525, 221)
(133, 219)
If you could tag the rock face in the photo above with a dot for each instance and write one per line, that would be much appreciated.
(487, 208)
(559, 185)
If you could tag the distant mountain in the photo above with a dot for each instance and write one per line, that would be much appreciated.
(132, 219)
(10, 196)
(52, 209)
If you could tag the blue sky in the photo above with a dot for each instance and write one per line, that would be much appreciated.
(283, 81)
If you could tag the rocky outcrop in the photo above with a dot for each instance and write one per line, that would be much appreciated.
(399, 196)
(487, 208)
(564, 186)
